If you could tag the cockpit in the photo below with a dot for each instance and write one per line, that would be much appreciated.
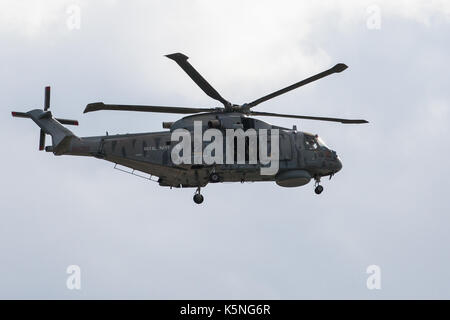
(320, 156)
(314, 142)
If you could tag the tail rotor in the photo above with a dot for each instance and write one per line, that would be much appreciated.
(45, 114)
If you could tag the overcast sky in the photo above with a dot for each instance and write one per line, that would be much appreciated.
(389, 206)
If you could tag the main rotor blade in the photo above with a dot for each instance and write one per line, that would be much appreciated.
(123, 107)
(181, 60)
(346, 121)
(336, 69)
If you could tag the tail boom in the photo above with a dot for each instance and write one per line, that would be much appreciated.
(61, 136)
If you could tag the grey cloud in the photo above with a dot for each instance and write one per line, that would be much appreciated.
(134, 239)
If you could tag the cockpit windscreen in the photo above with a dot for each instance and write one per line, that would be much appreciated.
(314, 142)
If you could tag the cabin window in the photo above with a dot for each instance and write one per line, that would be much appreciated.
(248, 123)
(247, 150)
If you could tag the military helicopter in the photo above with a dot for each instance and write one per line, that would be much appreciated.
(302, 156)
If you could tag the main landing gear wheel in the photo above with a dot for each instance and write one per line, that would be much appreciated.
(198, 198)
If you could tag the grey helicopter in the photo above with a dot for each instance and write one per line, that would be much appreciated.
(302, 156)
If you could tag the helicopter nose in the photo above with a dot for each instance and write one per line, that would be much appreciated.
(338, 165)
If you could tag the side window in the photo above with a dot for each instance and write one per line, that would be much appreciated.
(248, 123)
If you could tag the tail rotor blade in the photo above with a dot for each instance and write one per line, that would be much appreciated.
(20, 114)
(46, 107)
(47, 98)
(67, 121)
(42, 140)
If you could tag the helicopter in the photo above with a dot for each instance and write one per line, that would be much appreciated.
(300, 156)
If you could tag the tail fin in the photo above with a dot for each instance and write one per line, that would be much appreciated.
(61, 136)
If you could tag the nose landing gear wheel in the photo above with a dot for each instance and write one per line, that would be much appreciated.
(318, 189)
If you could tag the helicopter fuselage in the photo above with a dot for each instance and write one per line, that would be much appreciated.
(302, 156)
